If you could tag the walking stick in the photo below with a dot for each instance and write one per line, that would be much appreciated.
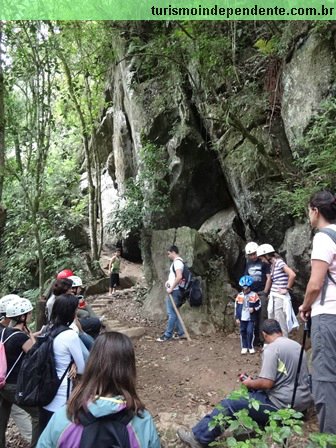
(306, 331)
(179, 317)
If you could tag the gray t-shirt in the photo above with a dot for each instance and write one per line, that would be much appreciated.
(280, 363)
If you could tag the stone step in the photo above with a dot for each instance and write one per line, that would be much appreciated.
(133, 333)
(110, 323)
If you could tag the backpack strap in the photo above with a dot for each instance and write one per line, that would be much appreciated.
(53, 333)
(3, 342)
(86, 418)
(332, 234)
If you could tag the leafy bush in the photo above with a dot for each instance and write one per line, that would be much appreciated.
(146, 195)
(283, 430)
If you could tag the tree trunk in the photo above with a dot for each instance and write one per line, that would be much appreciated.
(2, 116)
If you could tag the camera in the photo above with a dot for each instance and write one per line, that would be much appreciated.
(243, 377)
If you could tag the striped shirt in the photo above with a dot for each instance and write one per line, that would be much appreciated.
(278, 275)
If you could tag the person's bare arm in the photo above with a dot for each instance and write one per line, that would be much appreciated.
(268, 284)
(291, 279)
(258, 383)
(319, 270)
(291, 276)
(178, 278)
(28, 345)
(112, 261)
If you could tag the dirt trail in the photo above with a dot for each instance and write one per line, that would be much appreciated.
(178, 381)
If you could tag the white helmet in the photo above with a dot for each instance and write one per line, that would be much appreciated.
(265, 249)
(18, 307)
(5, 300)
(251, 248)
(76, 281)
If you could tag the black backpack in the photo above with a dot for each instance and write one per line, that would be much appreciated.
(191, 287)
(186, 276)
(194, 294)
(38, 382)
(109, 431)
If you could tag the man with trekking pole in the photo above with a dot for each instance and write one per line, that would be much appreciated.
(174, 297)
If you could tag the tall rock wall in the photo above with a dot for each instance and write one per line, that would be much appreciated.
(222, 171)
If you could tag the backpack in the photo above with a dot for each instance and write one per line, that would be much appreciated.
(38, 382)
(332, 234)
(109, 431)
(191, 287)
(194, 294)
(3, 359)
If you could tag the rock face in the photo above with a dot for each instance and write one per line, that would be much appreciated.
(311, 69)
(222, 180)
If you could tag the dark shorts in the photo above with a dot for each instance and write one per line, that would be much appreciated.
(114, 280)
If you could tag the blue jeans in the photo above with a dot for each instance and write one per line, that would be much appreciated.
(205, 436)
(173, 322)
(247, 333)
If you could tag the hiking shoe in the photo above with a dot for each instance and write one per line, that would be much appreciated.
(243, 351)
(251, 351)
(177, 336)
(163, 338)
(188, 438)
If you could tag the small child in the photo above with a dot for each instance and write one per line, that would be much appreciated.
(246, 304)
(114, 269)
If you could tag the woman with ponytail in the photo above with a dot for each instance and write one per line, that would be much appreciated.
(320, 305)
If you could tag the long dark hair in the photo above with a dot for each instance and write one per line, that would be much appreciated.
(325, 202)
(110, 371)
(64, 310)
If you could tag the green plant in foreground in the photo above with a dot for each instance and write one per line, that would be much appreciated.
(284, 428)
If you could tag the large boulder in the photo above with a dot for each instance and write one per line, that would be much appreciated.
(223, 232)
(296, 248)
(194, 250)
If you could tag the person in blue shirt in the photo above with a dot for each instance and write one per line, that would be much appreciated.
(260, 271)
(247, 305)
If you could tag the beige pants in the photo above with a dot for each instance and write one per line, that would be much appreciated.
(276, 311)
(22, 421)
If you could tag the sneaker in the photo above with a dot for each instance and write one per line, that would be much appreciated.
(243, 351)
(177, 336)
(163, 338)
(251, 351)
(188, 438)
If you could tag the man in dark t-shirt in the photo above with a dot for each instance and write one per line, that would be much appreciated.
(259, 271)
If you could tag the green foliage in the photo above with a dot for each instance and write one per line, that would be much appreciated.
(60, 210)
(267, 47)
(146, 195)
(283, 430)
(315, 163)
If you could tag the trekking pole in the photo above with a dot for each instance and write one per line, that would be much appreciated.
(179, 318)
(306, 331)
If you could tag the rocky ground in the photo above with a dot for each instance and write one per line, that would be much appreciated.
(178, 380)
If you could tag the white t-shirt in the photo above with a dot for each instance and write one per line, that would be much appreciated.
(325, 249)
(67, 346)
(50, 304)
(178, 264)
